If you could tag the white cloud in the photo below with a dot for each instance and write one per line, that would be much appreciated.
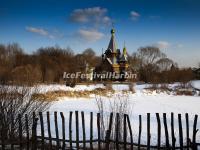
(40, 31)
(134, 15)
(106, 20)
(95, 15)
(162, 44)
(179, 45)
(90, 35)
(165, 45)
(37, 30)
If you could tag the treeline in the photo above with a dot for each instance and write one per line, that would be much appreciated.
(47, 64)
(153, 66)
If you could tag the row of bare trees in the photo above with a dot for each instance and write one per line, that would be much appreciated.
(47, 64)
(153, 66)
(44, 65)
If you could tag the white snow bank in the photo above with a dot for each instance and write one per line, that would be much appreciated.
(195, 84)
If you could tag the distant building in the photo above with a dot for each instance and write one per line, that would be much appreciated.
(113, 60)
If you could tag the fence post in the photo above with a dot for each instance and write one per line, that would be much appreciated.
(108, 132)
(195, 130)
(187, 131)
(27, 131)
(117, 130)
(56, 130)
(91, 130)
(49, 130)
(159, 129)
(34, 132)
(125, 132)
(42, 129)
(148, 132)
(99, 133)
(20, 130)
(130, 130)
(166, 130)
(126, 123)
(83, 129)
(12, 132)
(140, 131)
(63, 129)
(180, 131)
(70, 129)
(77, 130)
(172, 132)
(2, 132)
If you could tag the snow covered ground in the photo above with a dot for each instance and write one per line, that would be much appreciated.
(139, 103)
(196, 84)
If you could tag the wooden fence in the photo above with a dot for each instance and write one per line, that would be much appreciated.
(118, 134)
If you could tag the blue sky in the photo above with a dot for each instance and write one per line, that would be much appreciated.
(172, 25)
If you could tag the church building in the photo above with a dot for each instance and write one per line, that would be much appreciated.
(113, 60)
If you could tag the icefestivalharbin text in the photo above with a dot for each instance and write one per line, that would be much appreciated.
(106, 75)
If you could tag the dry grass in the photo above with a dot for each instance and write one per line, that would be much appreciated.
(131, 87)
(159, 88)
(185, 92)
(179, 90)
(54, 95)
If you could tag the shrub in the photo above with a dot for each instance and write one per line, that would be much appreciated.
(118, 104)
(15, 100)
(131, 87)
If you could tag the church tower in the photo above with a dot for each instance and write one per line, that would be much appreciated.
(111, 52)
(124, 61)
(113, 60)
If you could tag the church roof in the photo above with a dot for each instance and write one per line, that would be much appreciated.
(123, 58)
(108, 59)
(112, 44)
(124, 55)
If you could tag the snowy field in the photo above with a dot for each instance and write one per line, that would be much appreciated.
(139, 103)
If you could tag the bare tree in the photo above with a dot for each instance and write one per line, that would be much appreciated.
(134, 61)
(53, 61)
(8, 60)
(150, 55)
(90, 57)
(164, 64)
(117, 104)
(89, 52)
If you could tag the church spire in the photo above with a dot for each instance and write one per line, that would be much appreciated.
(124, 55)
(124, 50)
(112, 44)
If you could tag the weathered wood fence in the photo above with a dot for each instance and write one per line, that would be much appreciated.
(118, 134)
